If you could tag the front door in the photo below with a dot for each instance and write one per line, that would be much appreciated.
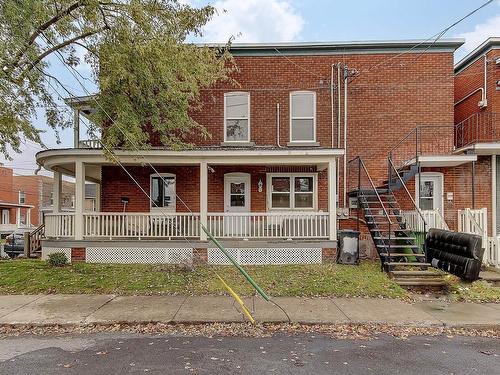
(236, 201)
(431, 192)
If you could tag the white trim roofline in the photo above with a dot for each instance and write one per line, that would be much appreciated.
(485, 47)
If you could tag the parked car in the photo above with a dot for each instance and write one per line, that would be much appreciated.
(14, 244)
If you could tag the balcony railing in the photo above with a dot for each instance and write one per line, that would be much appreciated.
(426, 140)
(138, 225)
(90, 143)
(480, 127)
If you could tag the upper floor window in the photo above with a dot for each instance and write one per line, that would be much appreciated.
(22, 197)
(302, 116)
(237, 117)
(163, 193)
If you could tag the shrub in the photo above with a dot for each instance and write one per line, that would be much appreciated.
(57, 259)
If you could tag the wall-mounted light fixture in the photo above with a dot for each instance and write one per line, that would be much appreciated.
(260, 184)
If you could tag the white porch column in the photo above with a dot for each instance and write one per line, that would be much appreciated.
(332, 204)
(28, 217)
(56, 194)
(79, 199)
(18, 217)
(97, 206)
(203, 198)
(76, 128)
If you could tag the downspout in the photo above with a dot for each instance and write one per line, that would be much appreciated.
(338, 104)
(346, 77)
(485, 99)
(483, 90)
(331, 102)
(278, 125)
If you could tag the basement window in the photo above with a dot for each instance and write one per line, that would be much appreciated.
(302, 116)
(237, 117)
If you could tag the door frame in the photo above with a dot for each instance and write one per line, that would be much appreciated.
(246, 178)
(423, 175)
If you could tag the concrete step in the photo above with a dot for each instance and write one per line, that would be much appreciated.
(416, 264)
(422, 283)
(402, 255)
(403, 274)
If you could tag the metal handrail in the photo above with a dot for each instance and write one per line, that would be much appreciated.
(361, 164)
(391, 164)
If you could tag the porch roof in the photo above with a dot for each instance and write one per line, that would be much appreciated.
(63, 160)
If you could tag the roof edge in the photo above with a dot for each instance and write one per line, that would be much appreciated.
(477, 52)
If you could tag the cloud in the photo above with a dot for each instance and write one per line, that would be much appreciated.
(481, 32)
(253, 21)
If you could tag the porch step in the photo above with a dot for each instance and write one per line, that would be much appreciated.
(417, 264)
(378, 215)
(403, 274)
(402, 255)
(398, 246)
(395, 238)
(421, 282)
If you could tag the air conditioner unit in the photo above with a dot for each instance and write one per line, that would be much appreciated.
(483, 103)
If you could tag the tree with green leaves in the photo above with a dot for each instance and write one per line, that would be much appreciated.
(148, 74)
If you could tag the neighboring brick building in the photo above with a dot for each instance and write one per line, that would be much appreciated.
(15, 211)
(36, 193)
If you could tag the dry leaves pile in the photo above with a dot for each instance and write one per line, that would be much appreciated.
(341, 331)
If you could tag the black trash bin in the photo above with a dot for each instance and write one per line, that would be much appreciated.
(348, 247)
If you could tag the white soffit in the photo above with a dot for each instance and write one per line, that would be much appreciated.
(445, 160)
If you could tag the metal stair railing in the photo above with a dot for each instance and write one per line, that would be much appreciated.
(358, 162)
(393, 168)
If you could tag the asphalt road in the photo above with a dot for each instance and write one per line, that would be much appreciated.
(104, 353)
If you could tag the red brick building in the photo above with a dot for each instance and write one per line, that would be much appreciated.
(273, 181)
(15, 211)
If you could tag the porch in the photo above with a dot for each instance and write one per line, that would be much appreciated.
(266, 199)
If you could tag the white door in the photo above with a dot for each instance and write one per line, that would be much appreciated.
(431, 192)
(5, 217)
(236, 201)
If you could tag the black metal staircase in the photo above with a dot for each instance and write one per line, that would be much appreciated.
(401, 251)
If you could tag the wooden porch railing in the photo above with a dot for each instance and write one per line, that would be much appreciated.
(61, 225)
(35, 239)
(265, 225)
(140, 225)
(269, 225)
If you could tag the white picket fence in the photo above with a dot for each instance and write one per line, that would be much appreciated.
(474, 222)
(492, 252)
(432, 218)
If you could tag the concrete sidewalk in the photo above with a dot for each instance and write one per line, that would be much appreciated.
(89, 309)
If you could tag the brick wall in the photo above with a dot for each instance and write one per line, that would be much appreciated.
(472, 78)
(385, 103)
(116, 184)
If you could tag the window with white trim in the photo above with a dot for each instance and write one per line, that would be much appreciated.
(291, 191)
(237, 117)
(302, 116)
(22, 197)
(163, 191)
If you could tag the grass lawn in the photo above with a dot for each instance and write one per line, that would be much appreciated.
(25, 276)
(36, 276)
